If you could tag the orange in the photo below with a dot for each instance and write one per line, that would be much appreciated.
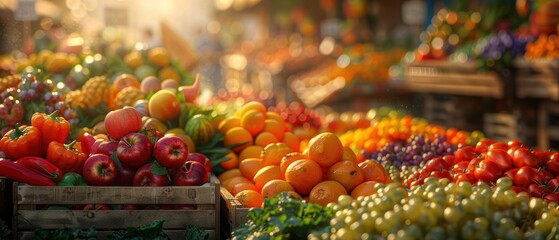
(273, 153)
(273, 187)
(233, 161)
(235, 172)
(274, 127)
(253, 121)
(373, 171)
(238, 136)
(164, 105)
(250, 166)
(275, 116)
(295, 194)
(123, 81)
(347, 173)
(242, 186)
(265, 138)
(326, 149)
(291, 140)
(349, 155)
(265, 175)
(289, 158)
(364, 189)
(228, 123)
(303, 175)
(253, 105)
(250, 198)
(326, 192)
(231, 182)
(253, 151)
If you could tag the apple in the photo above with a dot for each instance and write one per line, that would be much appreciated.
(134, 149)
(122, 121)
(191, 174)
(144, 177)
(201, 158)
(99, 170)
(97, 206)
(106, 147)
(170, 151)
(125, 175)
(186, 206)
(129, 207)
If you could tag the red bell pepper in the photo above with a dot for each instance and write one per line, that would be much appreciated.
(66, 156)
(87, 140)
(21, 173)
(41, 166)
(52, 128)
(21, 141)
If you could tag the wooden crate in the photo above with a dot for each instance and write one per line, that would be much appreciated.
(537, 79)
(233, 211)
(29, 214)
(500, 126)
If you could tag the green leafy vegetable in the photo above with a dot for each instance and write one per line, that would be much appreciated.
(66, 234)
(4, 230)
(153, 231)
(283, 217)
(195, 233)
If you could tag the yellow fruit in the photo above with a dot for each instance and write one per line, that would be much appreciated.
(74, 98)
(127, 97)
(57, 63)
(9, 81)
(169, 73)
(134, 59)
(159, 56)
(95, 91)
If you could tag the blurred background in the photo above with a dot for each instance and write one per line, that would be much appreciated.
(476, 65)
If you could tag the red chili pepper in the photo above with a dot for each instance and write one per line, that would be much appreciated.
(53, 128)
(41, 166)
(21, 173)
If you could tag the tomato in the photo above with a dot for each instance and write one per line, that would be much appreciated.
(511, 150)
(514, 143)
(460, 167)
(436, 164)
(465, 153)
(518, 189)
(473, 163)
(441, 174)
(498, 145)
(545, 174)
(450, 159)
(535, 190)
(487, 171)
(553, 197)
(500, 157)
(543, 154)
(552, 165)
(483, 145)
(553, 185)
(465, 177)
(527, 175)
(511, 173)
(523, 157)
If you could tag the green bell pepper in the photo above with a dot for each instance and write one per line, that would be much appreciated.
(72, 179)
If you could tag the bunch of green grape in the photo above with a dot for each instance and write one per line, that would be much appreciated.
(440, 209)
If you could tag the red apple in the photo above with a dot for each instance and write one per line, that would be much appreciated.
(145, 177)
(125, 175)
(201, 158)
(191, 174)
(99, 170)
(134, 149)
(170, 151)
(106, 147)
(98, 206)
(87, 140)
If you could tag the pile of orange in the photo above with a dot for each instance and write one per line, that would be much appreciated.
(320, 174)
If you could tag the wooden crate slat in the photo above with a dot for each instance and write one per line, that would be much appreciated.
(173, 234)
(237, 214)
(114, 219)
(116, 195)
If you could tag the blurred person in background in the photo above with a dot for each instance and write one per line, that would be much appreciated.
(210, 50)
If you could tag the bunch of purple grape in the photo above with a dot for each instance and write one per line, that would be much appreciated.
(416, 151)
(17, 105)
(503, 47)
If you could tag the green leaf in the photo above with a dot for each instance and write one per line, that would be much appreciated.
(114, 157)
(157, 169)
(195, 233)
(4, 230)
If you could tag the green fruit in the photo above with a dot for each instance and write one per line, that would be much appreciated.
(145, 71)
(200, 128)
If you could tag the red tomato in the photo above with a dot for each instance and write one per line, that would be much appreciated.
(553, 197)
(536, 190)
(442, 174)
(552, 165)
(527, 175)
(514, 143)
(436, 164)
(487, 171)
(545, 174)
(511, 173)
(545, 155)
(512, 149)
(460, 167)
(467, 177)
(498, 145)
(450, 159)
(500, 157)
(518, 189)
(553, 185)
(523, 157)
(473, 163)
(483, 145)
(465, 153)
